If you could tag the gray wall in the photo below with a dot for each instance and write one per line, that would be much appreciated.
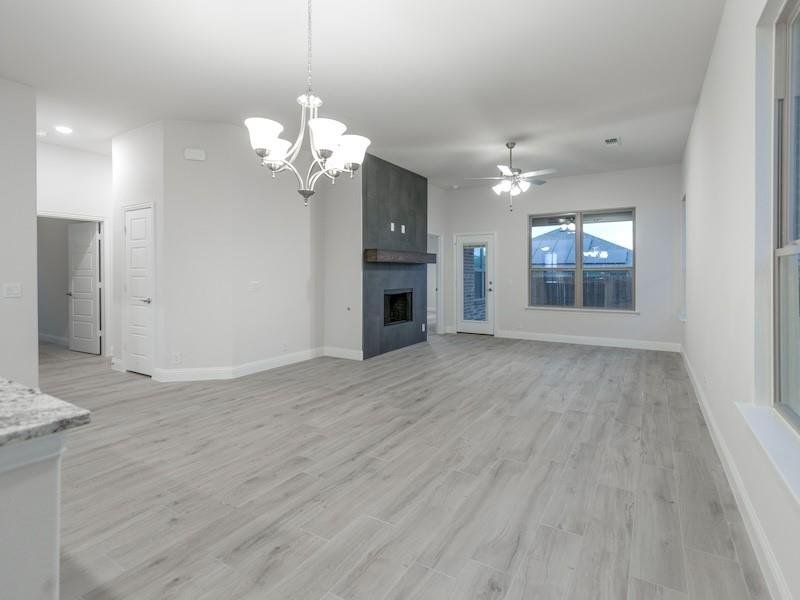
(53, 279)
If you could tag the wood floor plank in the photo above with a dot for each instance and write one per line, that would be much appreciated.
(603, 565)
(702, 518)
(714, 578)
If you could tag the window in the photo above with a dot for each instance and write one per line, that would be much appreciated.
(479, 269)
(787, 253)
(582, 260)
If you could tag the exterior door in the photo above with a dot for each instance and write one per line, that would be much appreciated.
(84, 287)
(475, 283)
(138, 293)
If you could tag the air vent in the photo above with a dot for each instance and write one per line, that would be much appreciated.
(613, 141)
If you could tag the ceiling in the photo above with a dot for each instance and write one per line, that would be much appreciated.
(438, 86)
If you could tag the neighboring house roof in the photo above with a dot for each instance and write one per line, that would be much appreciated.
(557, 248)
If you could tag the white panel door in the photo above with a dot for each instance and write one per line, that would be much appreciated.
(138, 293)
(84, 287)
(475, 283)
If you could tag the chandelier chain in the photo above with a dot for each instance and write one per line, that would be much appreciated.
(309, 47)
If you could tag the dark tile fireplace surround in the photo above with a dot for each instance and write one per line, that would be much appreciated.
(394, 273)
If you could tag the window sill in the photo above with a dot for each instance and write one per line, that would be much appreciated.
(604, 311)
(779, 439)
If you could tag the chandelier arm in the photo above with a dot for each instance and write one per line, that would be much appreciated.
(293, 169)
(298, 143)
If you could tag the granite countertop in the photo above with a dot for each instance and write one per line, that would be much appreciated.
(27, 413)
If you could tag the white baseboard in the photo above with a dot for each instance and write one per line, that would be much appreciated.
(234, 371)
(116, 364)
(342, 353)
(53, 339)
(450, 329)
(590, 341)
(773, 575)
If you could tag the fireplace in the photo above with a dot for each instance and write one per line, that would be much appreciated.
(397, 306)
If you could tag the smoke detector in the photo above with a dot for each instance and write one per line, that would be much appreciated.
(613, 141)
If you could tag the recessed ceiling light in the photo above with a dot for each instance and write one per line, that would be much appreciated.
(41, 133)
(63, 129)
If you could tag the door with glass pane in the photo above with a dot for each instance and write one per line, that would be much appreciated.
(475, 283)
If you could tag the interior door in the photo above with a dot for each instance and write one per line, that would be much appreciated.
(475, 283)
(138, 293)
(84, 287)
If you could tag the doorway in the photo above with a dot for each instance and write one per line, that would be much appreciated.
(475, 283)
(70, 283)
(435, 319)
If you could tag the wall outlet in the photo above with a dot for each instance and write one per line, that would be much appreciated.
(12, 290)
(423, 327)
(402, 228)
(391, 226)
(177, 358)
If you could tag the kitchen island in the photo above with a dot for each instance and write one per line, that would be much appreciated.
(32, 426)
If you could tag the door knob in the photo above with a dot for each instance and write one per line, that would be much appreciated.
(68, 294)
(147, 300)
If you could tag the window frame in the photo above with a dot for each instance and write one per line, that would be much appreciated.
(783, 245)
(578, 269)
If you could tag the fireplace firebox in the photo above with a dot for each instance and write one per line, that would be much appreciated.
(397, 306)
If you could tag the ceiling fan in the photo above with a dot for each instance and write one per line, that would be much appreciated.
(513, 181)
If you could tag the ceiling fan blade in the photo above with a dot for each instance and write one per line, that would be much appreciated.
(537, 181)
(538, 173)
(483, 178)
(505, 170)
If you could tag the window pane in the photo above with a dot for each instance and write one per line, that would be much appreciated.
(474, 282)
(608, 289)
(552, 288)
(608, 240)
(793, 209)
(789, 332)
(553, 241)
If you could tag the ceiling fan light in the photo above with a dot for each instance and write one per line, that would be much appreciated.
(515, 191)
(263, 133)
(498, 189)
(352, 149)
(524, 185)
(325, 134)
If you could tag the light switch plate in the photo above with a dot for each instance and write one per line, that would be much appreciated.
(402, 228)
(391, 226)
(194, 154)
(12, 290)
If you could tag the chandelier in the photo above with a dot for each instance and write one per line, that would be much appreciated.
(332, 152)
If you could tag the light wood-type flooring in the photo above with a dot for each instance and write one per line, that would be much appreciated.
(468, 467)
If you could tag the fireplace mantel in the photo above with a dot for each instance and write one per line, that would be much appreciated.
(376, 255)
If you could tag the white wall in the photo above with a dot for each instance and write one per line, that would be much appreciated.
(19, 359)
(725, 324)
(72, 183)
(656, 195)
(53, 280)
(342, 257)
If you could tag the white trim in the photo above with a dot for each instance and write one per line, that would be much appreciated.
(17, 454)
(53, 214)
(450, 329)
(234, 371)
(54, 339)
(342, 353)
(778, 587)
(590, 341)
(607, 311)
